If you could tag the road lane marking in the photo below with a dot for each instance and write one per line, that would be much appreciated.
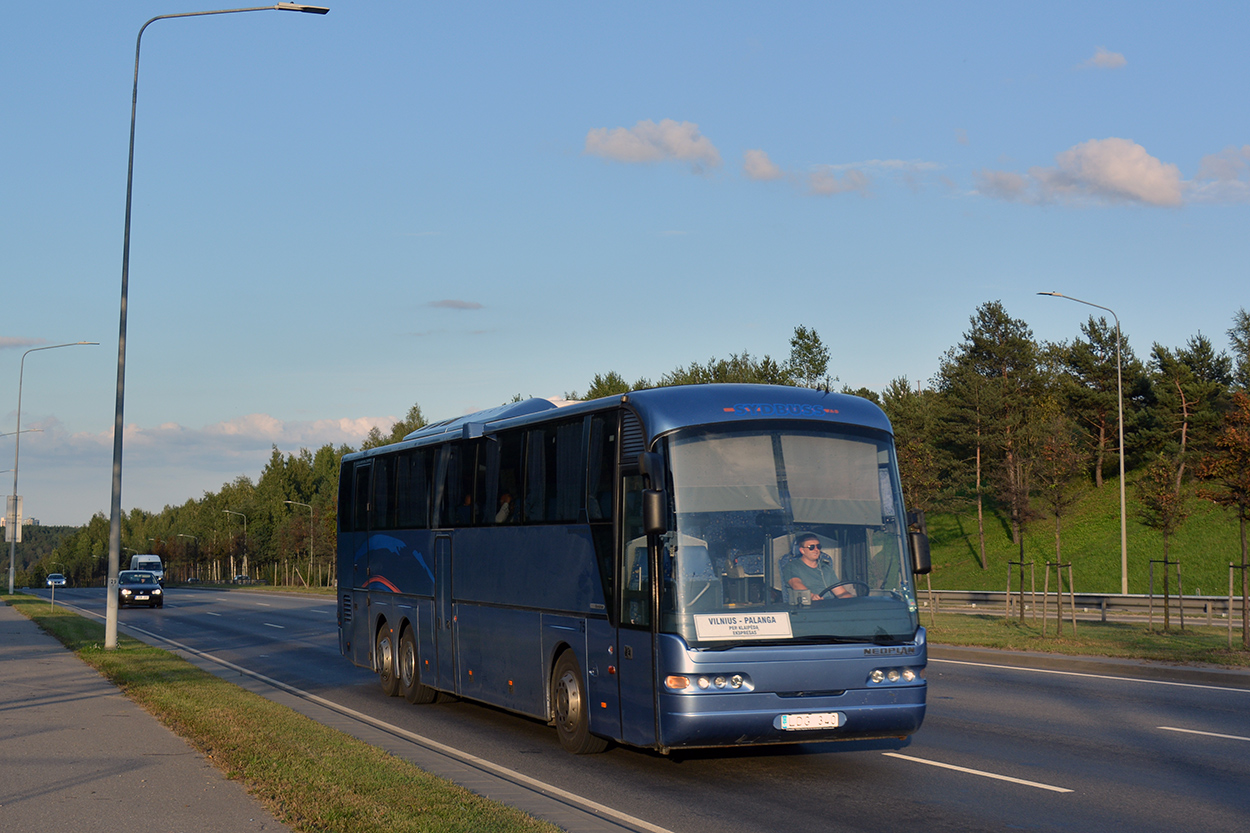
(979, 772)
(1089, 676)
(272, 625)
(1205, 734)
(429, 743)
(210, 613)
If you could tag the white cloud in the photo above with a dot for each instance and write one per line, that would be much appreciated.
(451, 303)
(757, 166)
(66, 478)
(647, 141)
(1104, 59)
(1003, 185)
(1101, 170)
(825, 182)
(17, 343)
(1223, 177)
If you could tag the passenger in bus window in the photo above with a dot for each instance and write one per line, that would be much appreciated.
(464, 513)
(505, 508)
(813, 570)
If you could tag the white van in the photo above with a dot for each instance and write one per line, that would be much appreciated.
(152, 563)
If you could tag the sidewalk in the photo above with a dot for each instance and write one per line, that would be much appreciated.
(75, 754)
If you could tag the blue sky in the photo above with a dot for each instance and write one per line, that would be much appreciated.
(450, 204)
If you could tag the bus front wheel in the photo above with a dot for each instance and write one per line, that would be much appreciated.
(384, 660)
(572, 709)
(410, 672)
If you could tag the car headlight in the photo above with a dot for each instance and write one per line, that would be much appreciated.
(125, 592)
(156, 592)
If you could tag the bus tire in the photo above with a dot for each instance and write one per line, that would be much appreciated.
(384, 660)
(571, 708)
(409, 669)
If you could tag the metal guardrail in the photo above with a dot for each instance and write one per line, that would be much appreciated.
(1199, 607)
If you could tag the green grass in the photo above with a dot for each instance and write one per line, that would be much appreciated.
(1196, 644)
(310, 777)
(1090, 541)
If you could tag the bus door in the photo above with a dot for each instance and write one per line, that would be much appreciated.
(634, 638)
(444, 616)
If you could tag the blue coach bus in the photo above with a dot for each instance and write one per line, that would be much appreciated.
(625, 568)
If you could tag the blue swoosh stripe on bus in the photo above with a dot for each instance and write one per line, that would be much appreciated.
(391, 544)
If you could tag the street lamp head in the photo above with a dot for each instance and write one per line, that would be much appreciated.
(1055, 294)
(300, 7)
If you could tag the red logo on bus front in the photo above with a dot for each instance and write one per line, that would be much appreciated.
(781, 409)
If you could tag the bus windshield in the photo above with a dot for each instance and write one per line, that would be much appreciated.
(784, 536)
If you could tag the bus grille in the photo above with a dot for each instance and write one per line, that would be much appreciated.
(346, 615)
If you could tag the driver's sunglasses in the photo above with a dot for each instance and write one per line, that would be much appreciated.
(810, 547)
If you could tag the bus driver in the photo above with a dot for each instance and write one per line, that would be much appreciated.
(813, 570)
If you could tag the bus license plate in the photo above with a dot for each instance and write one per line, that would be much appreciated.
(814, 720)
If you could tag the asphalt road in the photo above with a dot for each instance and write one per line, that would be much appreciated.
(1001, 747)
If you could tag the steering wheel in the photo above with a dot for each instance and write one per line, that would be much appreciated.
(861, 587)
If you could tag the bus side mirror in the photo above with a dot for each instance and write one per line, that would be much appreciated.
(654, 506)
(920, 562)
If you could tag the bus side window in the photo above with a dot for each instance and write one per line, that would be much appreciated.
(412, 489)
(601, 473)
(361, 478)
(382, 507)
(507, 501)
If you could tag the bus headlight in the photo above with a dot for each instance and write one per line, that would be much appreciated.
(895, 675)
(721, 682)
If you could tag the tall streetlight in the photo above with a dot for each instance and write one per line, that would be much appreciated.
(115, 510)
(14, 529)
(1119, 393)
(310, 533)
(196, 539)
(244, 517)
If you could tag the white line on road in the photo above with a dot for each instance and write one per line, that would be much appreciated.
(210, 613)
(983, 774)
(271, 625)
(1205, 734)
(1088, 676)
(429, 743)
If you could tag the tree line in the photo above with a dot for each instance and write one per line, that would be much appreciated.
(1008, 425)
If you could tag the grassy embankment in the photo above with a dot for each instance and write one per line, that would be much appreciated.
(1090, 540)
(310, 777)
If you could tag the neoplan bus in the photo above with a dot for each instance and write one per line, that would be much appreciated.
(617, 568)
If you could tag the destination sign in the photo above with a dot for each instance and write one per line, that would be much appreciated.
(711, 627)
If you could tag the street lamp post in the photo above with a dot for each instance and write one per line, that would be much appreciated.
(115, 509)
(17, 445)
(1119, 392)
(197, 547)
(244, 517)
(310, 534)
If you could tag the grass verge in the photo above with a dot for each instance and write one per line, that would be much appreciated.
(310, 777)
(1132, 640)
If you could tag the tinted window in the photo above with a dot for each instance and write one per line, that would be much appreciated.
(382, 508)
(412, 489)
(554, 477)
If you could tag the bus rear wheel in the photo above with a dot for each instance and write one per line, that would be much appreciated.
(384, 660)
(572, 709)
(410, 684)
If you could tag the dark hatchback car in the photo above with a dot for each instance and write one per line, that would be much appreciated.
(139, 587)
